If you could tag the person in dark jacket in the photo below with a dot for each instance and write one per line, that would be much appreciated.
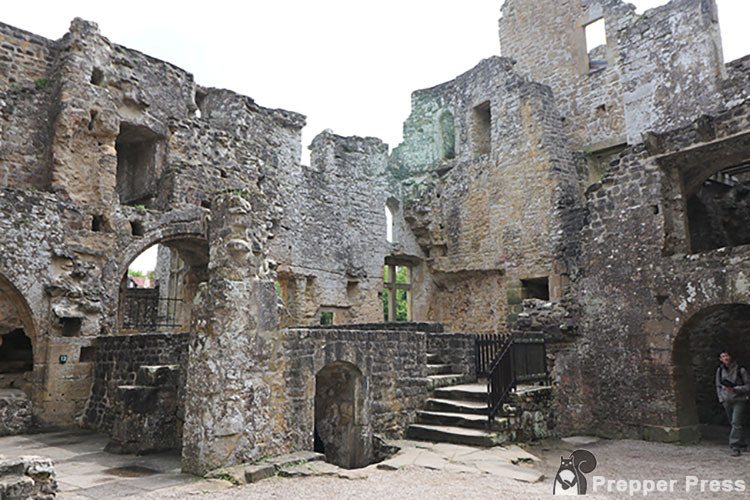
(733, 391)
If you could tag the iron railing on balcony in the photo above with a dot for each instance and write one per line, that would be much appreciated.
(151, 312)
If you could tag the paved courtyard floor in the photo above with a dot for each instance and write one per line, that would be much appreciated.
(419, 471)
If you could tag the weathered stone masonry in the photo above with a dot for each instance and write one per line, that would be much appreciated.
(602, 204)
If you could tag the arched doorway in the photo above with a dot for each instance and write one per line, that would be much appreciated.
(158, 288)
(342, 429)
(17, 336)
(696, 357)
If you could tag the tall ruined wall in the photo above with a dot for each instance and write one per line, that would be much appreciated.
(489, 219)
(105, 157)
(663, 69)
(25, 63)
(331, 245)
(646, 293)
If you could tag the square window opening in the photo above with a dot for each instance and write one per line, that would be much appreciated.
(535, 288)
(137, 149)
(596, 44)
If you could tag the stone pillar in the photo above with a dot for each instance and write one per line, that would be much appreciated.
(229, 415)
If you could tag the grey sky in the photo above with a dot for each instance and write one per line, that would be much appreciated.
(348, 65)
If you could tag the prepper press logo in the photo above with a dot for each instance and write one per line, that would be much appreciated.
(570, 478)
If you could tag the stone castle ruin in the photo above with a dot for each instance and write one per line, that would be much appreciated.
(598, 198)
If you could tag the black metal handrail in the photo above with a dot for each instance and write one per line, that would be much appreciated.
(500, 380)
(530, 357)
(521, 359)
(487, 348)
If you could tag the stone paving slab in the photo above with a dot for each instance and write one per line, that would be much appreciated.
(580, 440)
(112, 490)
(84, 471)
(504, 461)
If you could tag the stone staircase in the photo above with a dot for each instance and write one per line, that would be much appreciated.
(457, 412)
(441, 374)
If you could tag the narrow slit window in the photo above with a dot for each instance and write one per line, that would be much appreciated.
(481, 129)
(388, 224)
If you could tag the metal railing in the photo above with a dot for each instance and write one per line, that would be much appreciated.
(151, 312)
(519, 360)
(487, 348)
(500, 380)
(530, 358)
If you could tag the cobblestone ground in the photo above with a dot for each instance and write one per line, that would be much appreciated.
(617, 460)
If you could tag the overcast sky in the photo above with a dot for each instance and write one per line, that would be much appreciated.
(348, 65)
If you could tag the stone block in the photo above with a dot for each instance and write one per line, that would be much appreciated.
(15, 412)
(255, 473)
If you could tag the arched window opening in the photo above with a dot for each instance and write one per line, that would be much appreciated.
(391, 213)
(342, 430)
(159, 286)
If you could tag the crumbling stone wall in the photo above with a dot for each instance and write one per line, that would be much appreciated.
(642, 284)
(233, 380)
(491, 219)
(635, 92)
(25, 59)
(74, 109)
(331, 245)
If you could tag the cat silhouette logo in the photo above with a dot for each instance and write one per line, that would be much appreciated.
(570, 479)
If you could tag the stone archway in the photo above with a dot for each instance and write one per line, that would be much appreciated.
(695, 357)
(181, 266)
(342, 428)
(17, 340)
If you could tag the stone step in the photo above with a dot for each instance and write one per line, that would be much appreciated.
(526, 391)
(443, 380)
(466, 420)
(449, 434)
(438, 369)
(457, 406)
(434, 357)
(466, 392)
(158, 375)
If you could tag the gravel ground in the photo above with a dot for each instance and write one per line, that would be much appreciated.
(617, 460)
